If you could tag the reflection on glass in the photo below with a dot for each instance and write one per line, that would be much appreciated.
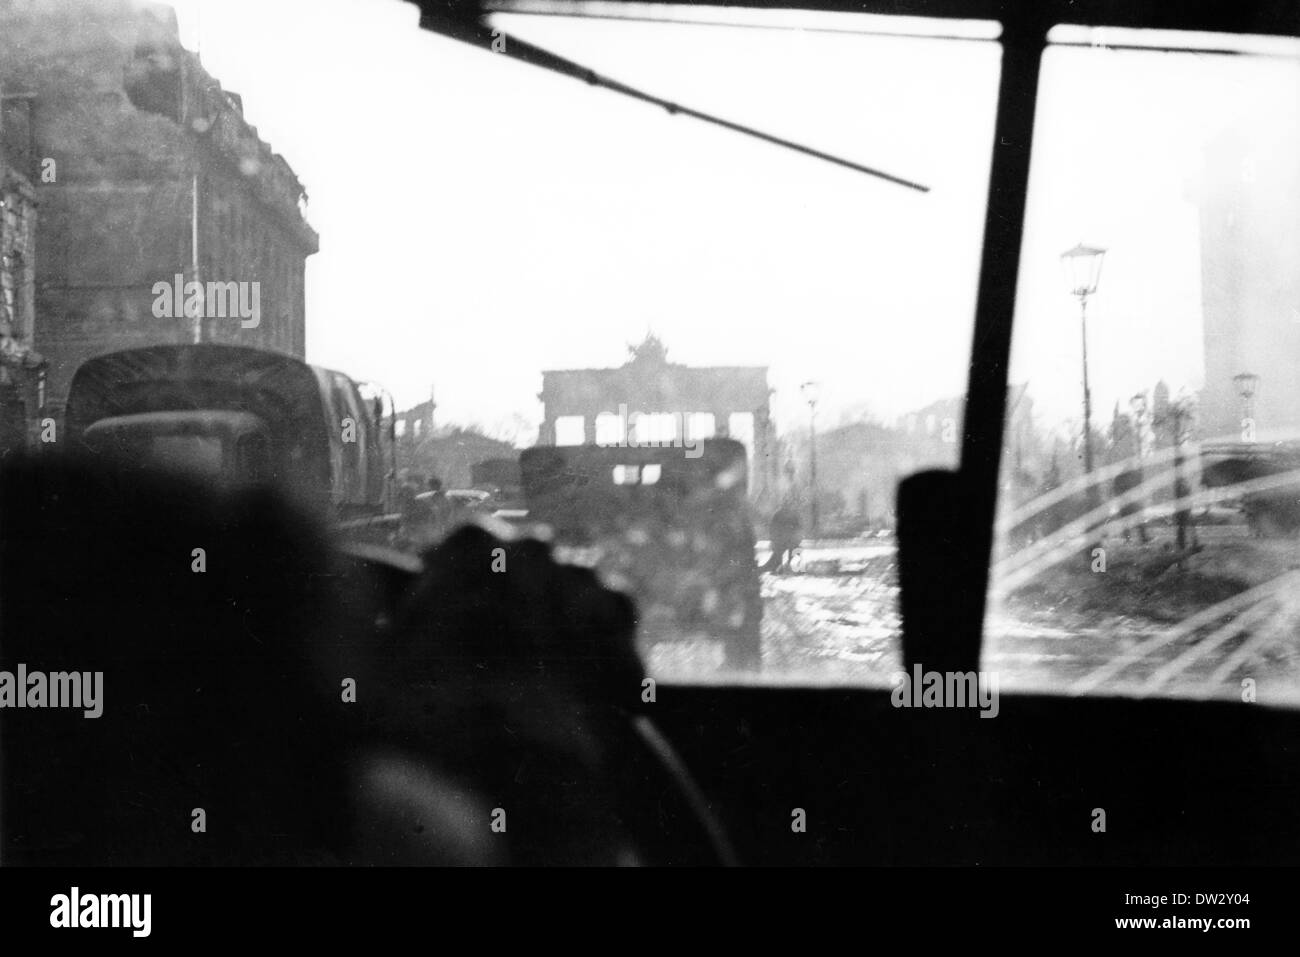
(1148, 521)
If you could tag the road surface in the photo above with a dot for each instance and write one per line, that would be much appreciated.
(834, 618)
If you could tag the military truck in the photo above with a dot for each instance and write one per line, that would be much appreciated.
(672, 531)
(236, 415)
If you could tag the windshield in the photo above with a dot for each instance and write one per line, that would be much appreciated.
(730, 279)
(1147, 535)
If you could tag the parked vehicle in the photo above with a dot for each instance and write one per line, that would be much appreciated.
(1270, 501)
(238, 415)
(673, 532)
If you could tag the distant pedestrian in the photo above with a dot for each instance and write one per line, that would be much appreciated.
(786, 532)
(414, 516)
(443, 512)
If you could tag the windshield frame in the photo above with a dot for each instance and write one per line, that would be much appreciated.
(1024, 41)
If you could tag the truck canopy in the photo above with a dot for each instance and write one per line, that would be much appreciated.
(305, 410)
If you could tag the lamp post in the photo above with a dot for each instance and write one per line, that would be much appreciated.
(1082, 266)
(1246, 383)
(1139, 406)
(811, 393)
(1178, 418)
(202, 128)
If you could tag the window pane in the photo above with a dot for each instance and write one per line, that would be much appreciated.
(1152, 551)
(708, 282)
(199, 453)
(768, 269)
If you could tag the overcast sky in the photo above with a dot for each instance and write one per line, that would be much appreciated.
(482, 220)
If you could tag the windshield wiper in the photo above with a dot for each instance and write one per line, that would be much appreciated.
(474, 31)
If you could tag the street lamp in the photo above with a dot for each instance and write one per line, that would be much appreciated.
(1082, 266)
(1139, 406)
(1246, 383)
(811, 393)
(202, 128)
(1177, 417)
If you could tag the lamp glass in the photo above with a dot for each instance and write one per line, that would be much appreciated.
(1246, 383)
(1082, 266)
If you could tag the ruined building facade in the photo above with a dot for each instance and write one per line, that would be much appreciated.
(144, 170)
(22, 369)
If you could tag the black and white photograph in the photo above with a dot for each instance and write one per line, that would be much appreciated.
(562, 434)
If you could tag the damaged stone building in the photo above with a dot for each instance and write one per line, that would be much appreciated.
(22, 370)
(146, 175)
